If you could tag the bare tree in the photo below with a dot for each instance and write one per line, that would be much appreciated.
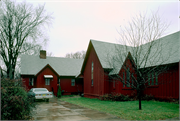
(21, 29)
(34, 51)
(76, 55)
(50, 54)
(139, 53)
(1, 73)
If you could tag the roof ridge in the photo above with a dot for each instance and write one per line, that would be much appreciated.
(161, 38)
(132, 46)
(53, 57)
(115, 44)
(103, 41)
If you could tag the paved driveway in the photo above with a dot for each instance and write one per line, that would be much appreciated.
(63, 111)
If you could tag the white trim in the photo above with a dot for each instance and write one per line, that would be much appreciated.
(48, 76)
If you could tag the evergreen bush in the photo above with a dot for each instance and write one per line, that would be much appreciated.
(15, 104)
(59, 92)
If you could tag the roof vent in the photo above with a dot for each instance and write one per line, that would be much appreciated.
(42, 54)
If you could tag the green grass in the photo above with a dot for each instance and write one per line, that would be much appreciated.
(69, 96)
(151, 110)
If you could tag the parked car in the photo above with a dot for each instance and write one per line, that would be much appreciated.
(40, 93)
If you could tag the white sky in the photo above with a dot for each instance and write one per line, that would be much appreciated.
(76, 22)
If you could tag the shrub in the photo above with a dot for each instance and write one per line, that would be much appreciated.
(176, 101)
(133, 97)
(115, 97)
(59, 92)
(121, 97)
(148, 97)
(15, 104)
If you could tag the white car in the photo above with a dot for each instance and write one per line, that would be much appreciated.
(41, 93)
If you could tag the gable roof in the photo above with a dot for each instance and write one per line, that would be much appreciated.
(118, 66)
(31, 65)
(46, 67)
(106, 51)
(103, 51)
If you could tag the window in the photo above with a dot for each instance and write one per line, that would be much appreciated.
(152, 79)
(92, 83)
(92, 69)
(128, 77)
(156, 79)
(47, 81)
(123, 79)
(149, 79)
(72, 82)
(31, 81)
(132, 79)
(114, 84)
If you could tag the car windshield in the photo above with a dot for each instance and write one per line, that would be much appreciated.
(38, 90)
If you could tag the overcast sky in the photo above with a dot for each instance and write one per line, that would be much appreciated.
(76, 22)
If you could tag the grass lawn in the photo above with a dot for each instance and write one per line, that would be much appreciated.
(64, 96)
(151, 110)
(67, 95)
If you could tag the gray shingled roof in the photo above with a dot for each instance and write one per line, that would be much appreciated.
(169, 46)
(105, 52)
(31, 65)
(169, 52)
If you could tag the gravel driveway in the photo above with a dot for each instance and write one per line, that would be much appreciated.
(62, 111)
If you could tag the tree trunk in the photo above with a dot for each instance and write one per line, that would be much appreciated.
(140, 100)
(1, 73)
(10, 72)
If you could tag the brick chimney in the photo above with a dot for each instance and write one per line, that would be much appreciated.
(42, 54)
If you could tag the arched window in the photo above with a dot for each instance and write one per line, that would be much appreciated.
(132, 79)
(156, 78)
(123, 79)
(92, 69)
(114, 83)
(128, 77)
